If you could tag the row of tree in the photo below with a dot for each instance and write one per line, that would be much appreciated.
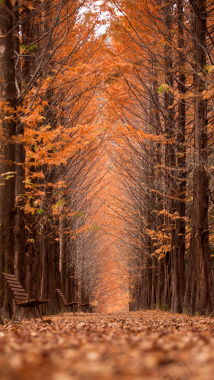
(161, 90)
(48, 144)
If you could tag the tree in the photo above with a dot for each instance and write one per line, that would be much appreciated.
(199, 293)
(8, 130)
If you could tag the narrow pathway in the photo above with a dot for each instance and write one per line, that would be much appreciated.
(133, 345)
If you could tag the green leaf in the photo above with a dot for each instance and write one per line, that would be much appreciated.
(163, 87)
(30, 48)
(40, 211)
(27, 182)
(80, 213)
(8, 173)
(209, 68)
(160, 89)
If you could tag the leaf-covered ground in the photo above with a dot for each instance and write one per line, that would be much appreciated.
(135, 345)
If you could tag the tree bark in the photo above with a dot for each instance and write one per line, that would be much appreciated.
(20, 252)
(199, 294)
(178, 273)
(8, 96)
(170, 163)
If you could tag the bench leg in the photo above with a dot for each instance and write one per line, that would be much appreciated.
(14, 314)
(40, 314)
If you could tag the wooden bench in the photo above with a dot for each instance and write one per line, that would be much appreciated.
(86, 305)
(21, 298)
(64, 301)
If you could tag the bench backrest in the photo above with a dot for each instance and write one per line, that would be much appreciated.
(62, 296)
(19, 293)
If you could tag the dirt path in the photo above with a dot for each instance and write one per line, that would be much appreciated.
(137, 345)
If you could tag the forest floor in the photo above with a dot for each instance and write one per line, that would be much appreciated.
(131, 346)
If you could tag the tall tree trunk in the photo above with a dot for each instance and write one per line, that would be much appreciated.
(8, 95)
(181, 141)
(28, 241)
(178, 274)
(199, 295)
(20, 252)
(170, 161)
(159, 261)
